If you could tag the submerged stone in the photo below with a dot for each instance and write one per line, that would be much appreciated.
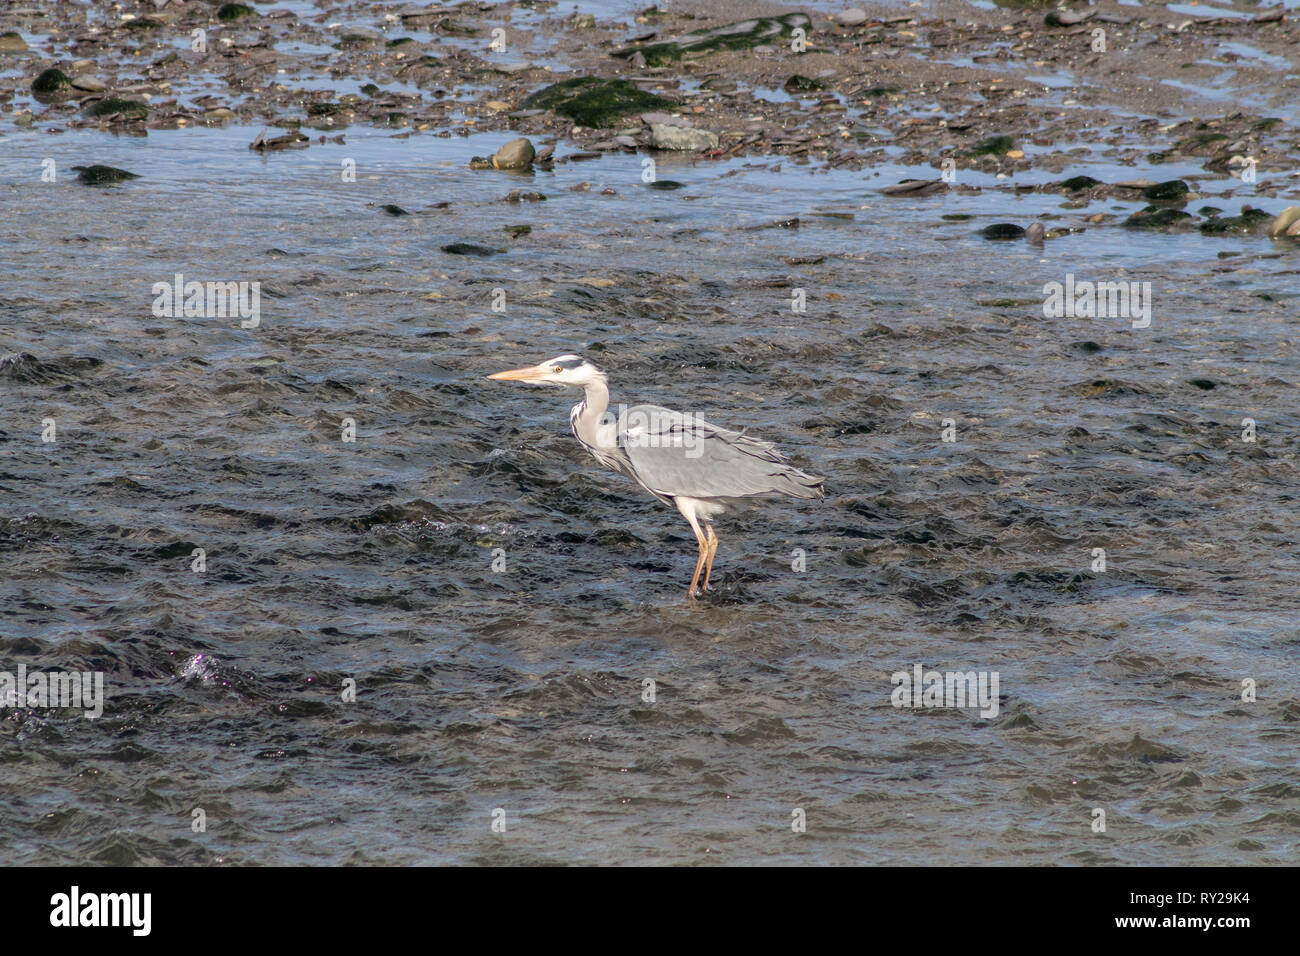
(595, 102)
(12, 42)
(744, 35)
(102, 175)
(1003, 230)
(470, 249)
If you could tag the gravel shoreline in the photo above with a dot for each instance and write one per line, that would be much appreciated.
(876, 84)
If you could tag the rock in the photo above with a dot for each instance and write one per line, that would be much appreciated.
(753, 34)
(25, 119)
(1250, 221)
(1003, 230)
(595, 102)
(1175, 190)
(91, 84)
(102, 175)
(1156, 217)
(470, 249)
(116, 106)
(516, 154)
(519, 195)
(663, 184)
(664, 136)
(1079, 183)
(1287, 220)
(294, 140)
(1067, 18)
(992, 146)
(852, 17)
(52, 80)
(12, 42)
(393, 210)
(798, 83)
(1035, 233)
(916, 187)
(234, 11)
(521, 229)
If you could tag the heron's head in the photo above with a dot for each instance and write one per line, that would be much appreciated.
(562, 370)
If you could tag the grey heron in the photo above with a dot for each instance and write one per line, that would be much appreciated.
(699, 468)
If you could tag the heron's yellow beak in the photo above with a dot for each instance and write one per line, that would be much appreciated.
(532, 373)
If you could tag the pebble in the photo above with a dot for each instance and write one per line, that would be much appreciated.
(92, 84)
(665, 136)
(1286, 224)
(516, 154)
(852, 17)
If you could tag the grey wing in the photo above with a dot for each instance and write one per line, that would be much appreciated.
(677, 454)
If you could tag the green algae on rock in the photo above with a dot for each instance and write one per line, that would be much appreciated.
(592, 101)
(1251, 220)
(1156, 217)
(743, 35)
(234, 11)
(470, 249)
(1003, 230)
(113, 105)
(102, 175)
(1175, 190)
(992, 146)
(52, 80)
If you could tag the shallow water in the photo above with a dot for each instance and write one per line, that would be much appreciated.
(522, 690)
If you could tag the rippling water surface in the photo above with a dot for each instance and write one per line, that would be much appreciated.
(523, 690)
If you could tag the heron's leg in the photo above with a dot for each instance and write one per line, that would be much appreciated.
(689, 514)
(711, 539)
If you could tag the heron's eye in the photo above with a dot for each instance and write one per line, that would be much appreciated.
(559, 369)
